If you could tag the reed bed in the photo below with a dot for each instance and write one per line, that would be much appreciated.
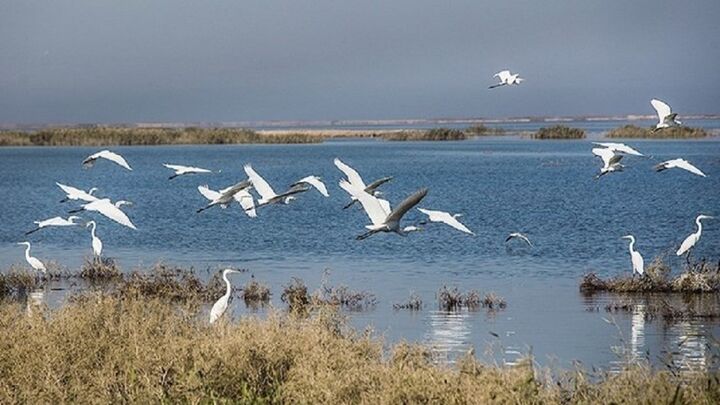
(414, 303)
(452, 299)
(559, 132)
(255, 293)
(435, 134)
(632, 131)
(482, 130)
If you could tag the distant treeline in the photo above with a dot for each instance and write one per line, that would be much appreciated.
(632, 131)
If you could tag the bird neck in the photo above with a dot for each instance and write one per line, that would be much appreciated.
(632, 244)
(228, 287)
(699, 225)
(27, 252)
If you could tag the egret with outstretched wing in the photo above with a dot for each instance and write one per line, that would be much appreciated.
(680, 164)
(446, 218)
(106, 154)
(183, 170)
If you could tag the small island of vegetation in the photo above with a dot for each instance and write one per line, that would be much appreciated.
(633, 131)
(559, 132)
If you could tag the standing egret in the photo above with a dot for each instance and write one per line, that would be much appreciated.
(183, 170)
(693, 238)
(446, 218)
(506, 78)
(54, 221)
(243, 197)
(97, 245)
(665, 115)
(611, 161)
(108, 209)
(619, 147)
(638, 264)
(518, 235)
(105, 154)
(219, 308)
(680, 164)
(76, 194)
(34, 262)
(314, 181)
(267, 194)
(384, 220)
(225, 196)
(354, 178)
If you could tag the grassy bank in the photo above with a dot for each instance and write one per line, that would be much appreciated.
(435, 134)
(632, 131)
(559, 132)
(109, 349)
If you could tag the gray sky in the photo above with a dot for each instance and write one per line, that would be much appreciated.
(231, 60)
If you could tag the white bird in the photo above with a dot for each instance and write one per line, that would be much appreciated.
(680, 164)
(506, 78)
(619, 147)
(314, 181)
(638, 264)
(219, 308)
(108, 209)
(267, 194)
(76, 194)
(693, 238)
(354, 178)
(611, 161)
(106, 154)
(243, 197)
(97, 245)
(33, 261)
(384, 220)
(182, 170)
(520, 236)
(446, 218)
(54, 221)
(665, 115)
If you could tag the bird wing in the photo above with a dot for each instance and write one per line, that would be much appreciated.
(504, 75)
(177, 168)
(209, 194)
(663, 110)
(262, 186)
(686, 245)
(111, 156)
(352, 176)
(246, 202)
(186, 169)
(684, 164)
(615, 159)
(315, 182)
(106, 208)
(605, 154)
(407, 204)
(619, 147)
(446, 218)
(77, 193)
(371, 204)
(377, 183)
(385, 204)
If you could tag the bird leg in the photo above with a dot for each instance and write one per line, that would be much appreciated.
(172, 177)
(75, 211)
(64, 200)
(34, 230)
(365, 235)
(350, 204)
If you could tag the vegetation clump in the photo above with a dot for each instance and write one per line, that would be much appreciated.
(171, 283)
(296, 296)
(559, 132)
(100, 269)
(454, 300)
(483, 130)
(255, 292)
(435, 134)
(633, 131)
(18, 281)
(414, 303)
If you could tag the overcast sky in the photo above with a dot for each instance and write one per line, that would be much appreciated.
(232, 60)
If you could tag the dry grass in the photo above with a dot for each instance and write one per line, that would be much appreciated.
(414, 303)
(482, 130)
(17, 281)
(255, 293)
(452, 299)
(559, 132)
(296, 296)
(435, 134)
(632, 131)
(171, 283)
(100, 269)
(109, 350)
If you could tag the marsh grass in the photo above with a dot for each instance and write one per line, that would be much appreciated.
(100, 269)
(435, 134)
(452, 299)
(18, 281)
(559, 132)
(171, 283)
(413, 303)
(295, 295)
(482, 130)
(342, 296)
(632, 131)
(255, 293)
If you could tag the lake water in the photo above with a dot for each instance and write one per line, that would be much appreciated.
(542, 188)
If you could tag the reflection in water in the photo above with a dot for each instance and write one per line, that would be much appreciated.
(637, 333)
(689, 340)
(34, 300)
(449, 333)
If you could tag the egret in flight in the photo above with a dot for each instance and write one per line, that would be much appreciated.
(680, 164)
(75, 194)
(314, 181)
(354, 178)
(506, 78)
(446, 218)
(243, 197)
(106, 154)
(382, 218)
(54, 221)
(267, 194)
(611, 161)
(665, 115)
(619, 147)
(108, 209)
(34, 262)
(638, 265)
(183, 170)
(219, 308)
(693, 238)
(97, 245)
(518, 235)
(225, 196)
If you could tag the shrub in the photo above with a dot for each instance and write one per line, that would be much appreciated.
(559, 132)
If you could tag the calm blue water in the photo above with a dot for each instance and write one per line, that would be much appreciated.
(542, 188)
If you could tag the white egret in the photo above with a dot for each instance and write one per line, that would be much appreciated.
(267, 194)
(76, 194)
(34, 262)
(680, 164)
(638, 264)
(314, 181)
(243, 197)
(446, 218)
(506, 78)
(693, 238)
(108, 209)
(225, 196)
(665, 115)
(619, 147)
(354, 178)
(611, 161)
(183, 170)
(518, 235)
(54, 221)
(97, 245)
(106, 154)
(384, 220)
(219, 308)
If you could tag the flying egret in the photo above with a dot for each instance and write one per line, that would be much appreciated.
(446, 218)
(76, 194)
(638, 265)
(182, 170)
(34, 262)
(611, 161)
(693, 238)
(354, 178)
(54, 221)
(506, 78)
(243, 197)
(218, 309)
(520, 236)
(680, 164)
(314, 181)
(267, 194)
(665, 115)
(384, 220)
(106, 154)
(225, 196)
(619, 147)
(97, 245)
(108, 209)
